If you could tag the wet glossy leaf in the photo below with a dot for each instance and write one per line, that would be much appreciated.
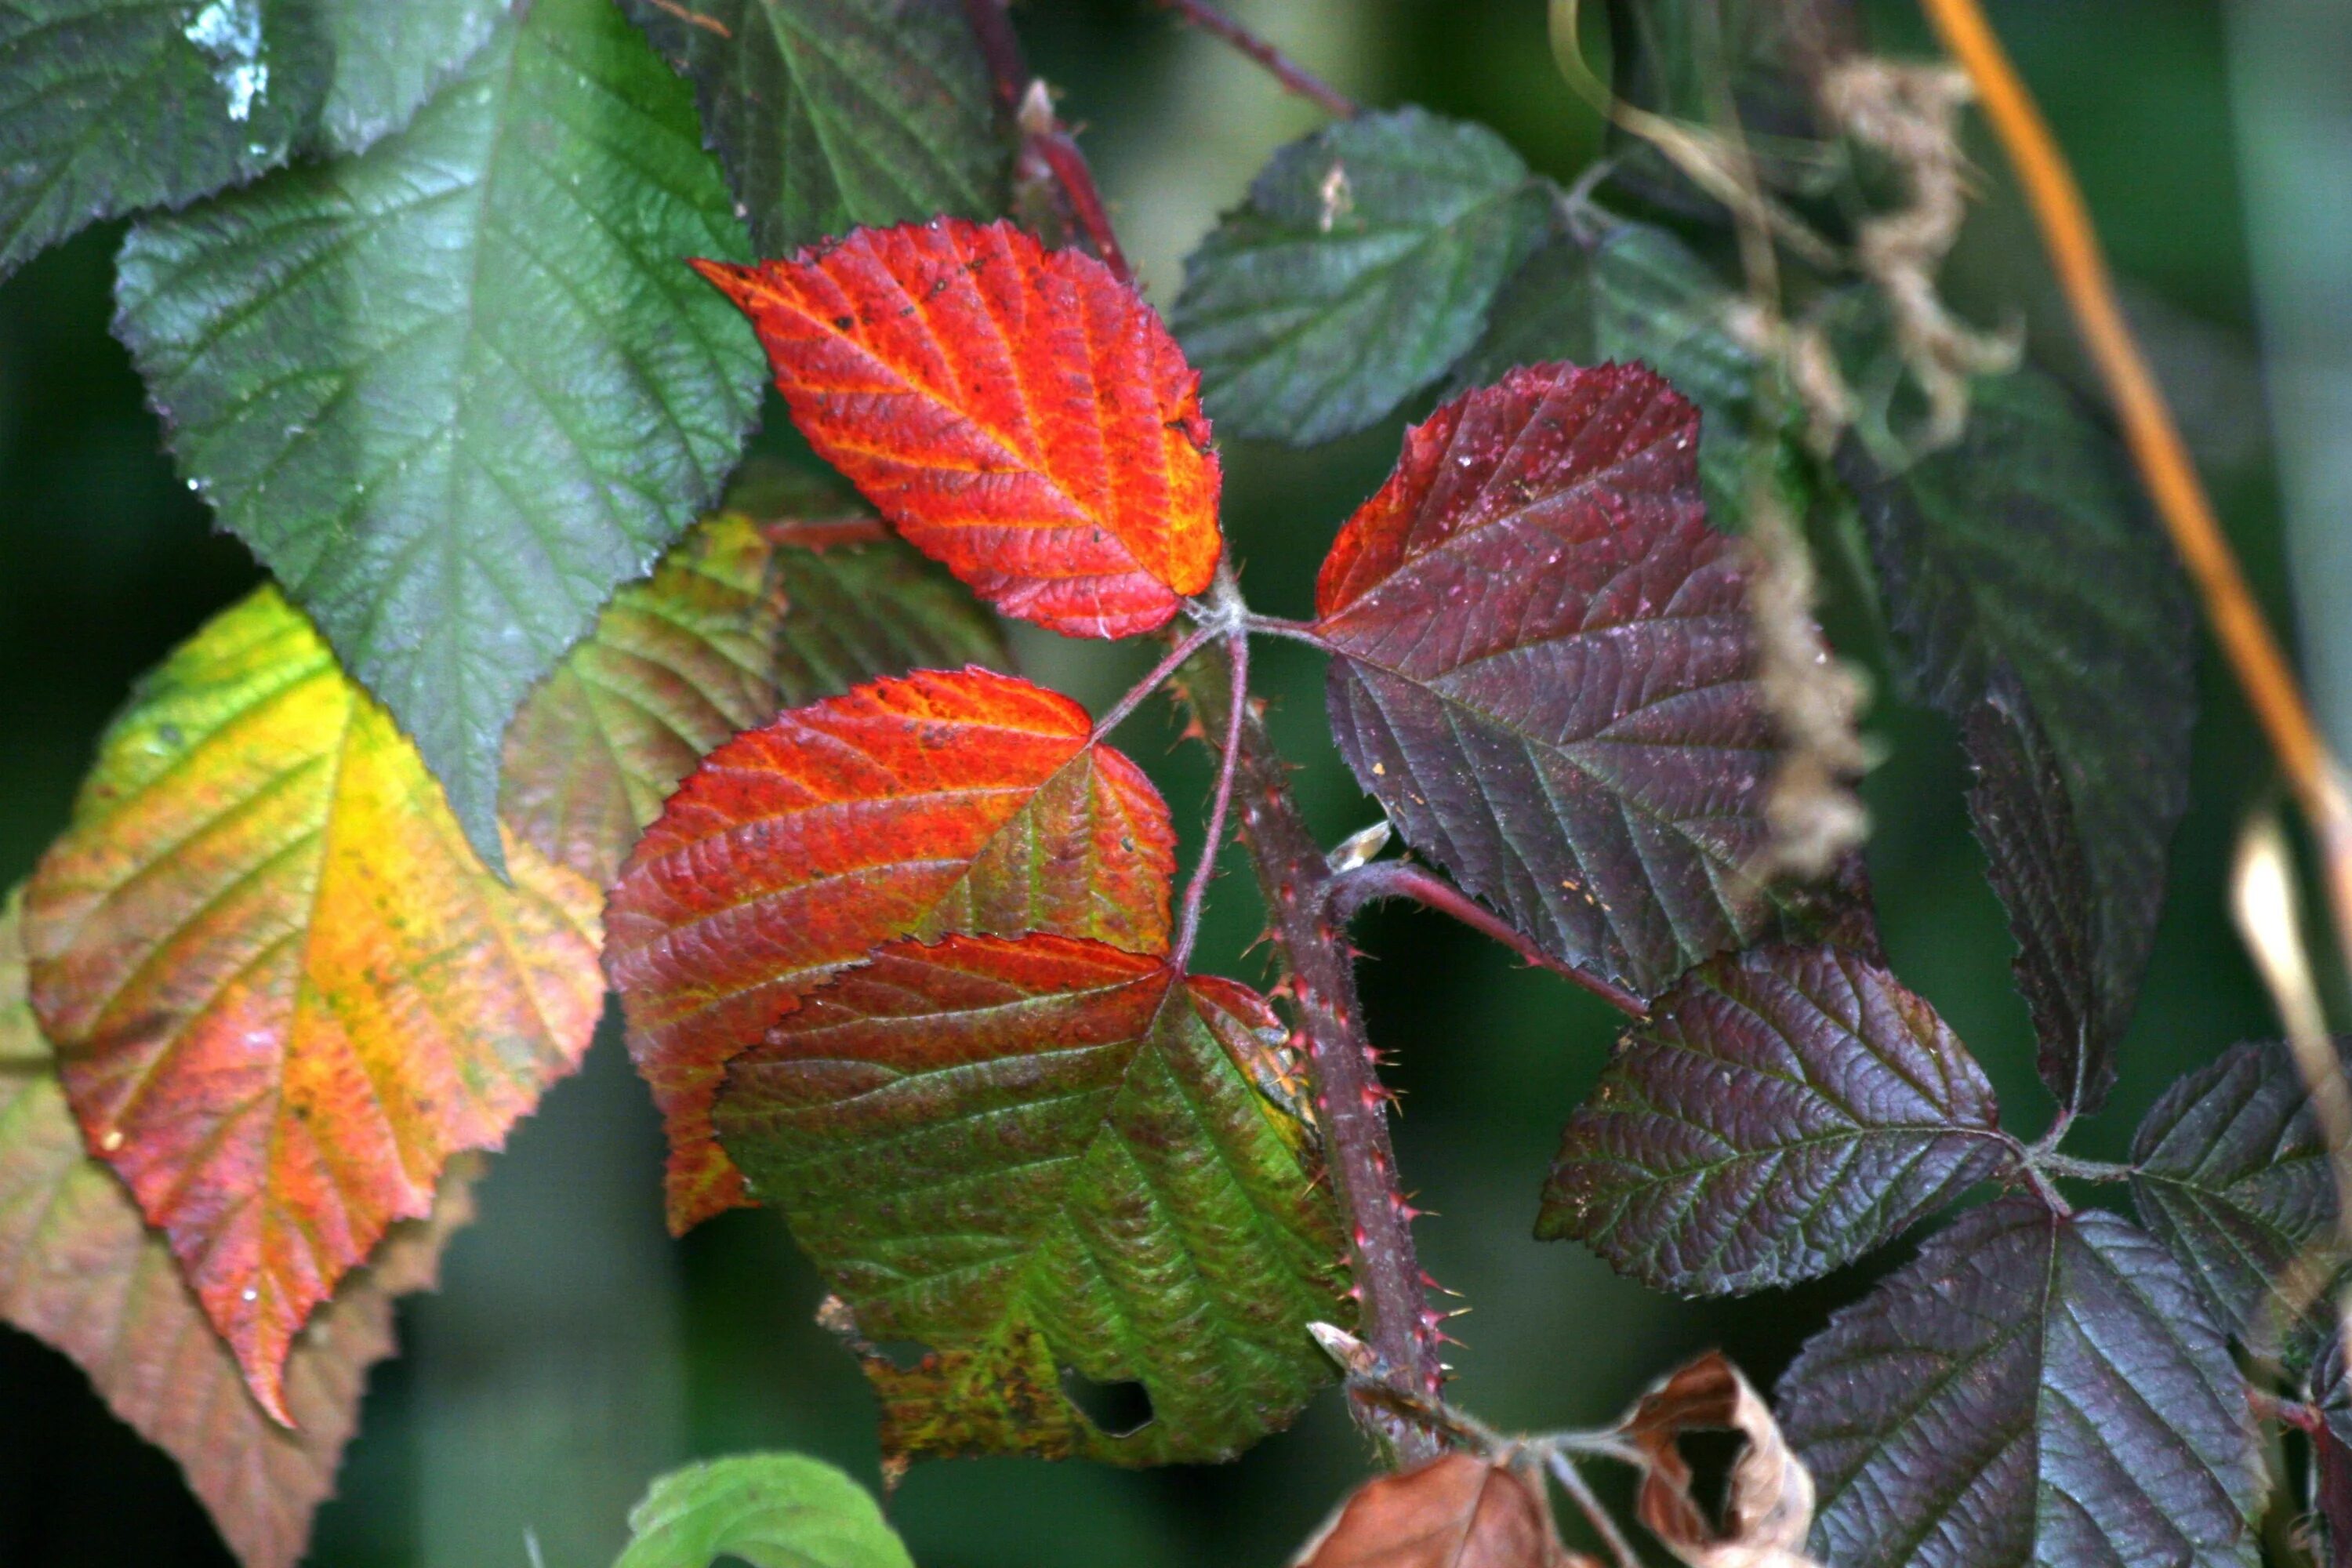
(1767, 1506)
(2030, 1389)
(2021, 561)
(1016, 413)
(1638, 293)
(109, 106)
(741, 618)
(80, 1270)
(1544, 670)
(1038, 1153)
(1783, 1111)
(771, 1510)
(1454, 1512)
(453, 390)
(939, 802)
(2229, 1170)
(833, 113)
(1360, 267)
(282, 989)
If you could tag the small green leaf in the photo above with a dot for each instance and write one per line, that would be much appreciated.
(773, 1511)
(452, 391)
(390, 59)
(109, 106)
(2035, 603)
(1361, 266)
(829, 114)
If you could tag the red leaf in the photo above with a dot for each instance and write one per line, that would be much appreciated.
(1019, 414)
(1544, 669)
(942, 801)
(1456, 1512)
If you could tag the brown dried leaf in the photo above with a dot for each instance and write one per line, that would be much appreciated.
(1457, 1511)
(1769, 1505)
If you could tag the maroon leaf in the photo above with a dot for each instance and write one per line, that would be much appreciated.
(1544, 670)
(1782, 1112)
(2034, 1388)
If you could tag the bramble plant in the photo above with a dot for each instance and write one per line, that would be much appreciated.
(538, 705)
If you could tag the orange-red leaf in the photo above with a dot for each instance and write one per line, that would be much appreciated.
(282, 989)
(1019, 413)
(943, 802)
(80, 1270)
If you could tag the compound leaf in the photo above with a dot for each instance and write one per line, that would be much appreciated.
(109, 106)
(2231, 1171)
(2021, 570)
(453, 390)
(2035, 1389)
(80, 1270)
(1544, 670)
(742, 617)
(1036, 1152)
(773, 1511)
(1781, 1112)
(1019, 413)
(833, 113)
(282, 989)
(942, 801)
(1361, 266)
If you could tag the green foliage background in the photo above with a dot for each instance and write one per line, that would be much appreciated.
(575, 1352)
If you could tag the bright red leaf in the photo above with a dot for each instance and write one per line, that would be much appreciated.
(1019, 413)
(942, 801)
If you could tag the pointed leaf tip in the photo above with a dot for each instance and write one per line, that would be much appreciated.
(1018, 414)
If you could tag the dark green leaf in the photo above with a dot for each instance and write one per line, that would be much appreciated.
(2230, 1171)
(389, 58)
(1636, 292)
(1360, 267)
(1036, 1154)
(1782, 1112)
(773, 1511)
(2032, 1389)
(109, 106)
(2024, 550)
(834, 113)
(453, 390)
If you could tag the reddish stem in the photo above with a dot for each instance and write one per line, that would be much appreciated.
(1196, 892)
(1115, 714)
(1285, 70)
(1351, 891)
(1045, 141)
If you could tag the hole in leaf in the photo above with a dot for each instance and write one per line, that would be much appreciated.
(1117, 1408)
(1711, 1454)
(904, 1355)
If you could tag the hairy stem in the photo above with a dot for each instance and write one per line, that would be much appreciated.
(1154, 679)
(1350, 1102)
(1351, 891)
(1188, 928)
(1285, 70)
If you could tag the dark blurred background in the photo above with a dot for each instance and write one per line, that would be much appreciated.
(575, 1351)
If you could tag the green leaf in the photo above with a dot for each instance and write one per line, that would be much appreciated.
(773, 1511)
(2035, 603)
(390, 59)
(108, 106)
(1361, 266)
(453, 390)
(1037, 1152)
(741, 619)
(830, 114)
(1638, 293)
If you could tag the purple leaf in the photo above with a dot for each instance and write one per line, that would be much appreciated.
(2033, 1388)
(1783, 1111)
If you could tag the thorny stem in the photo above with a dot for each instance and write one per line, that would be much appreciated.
(1350, 1104)
(1351, 891)
(2156, 448)
(1221, 804)
(1285, 70)
(1047, 150)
